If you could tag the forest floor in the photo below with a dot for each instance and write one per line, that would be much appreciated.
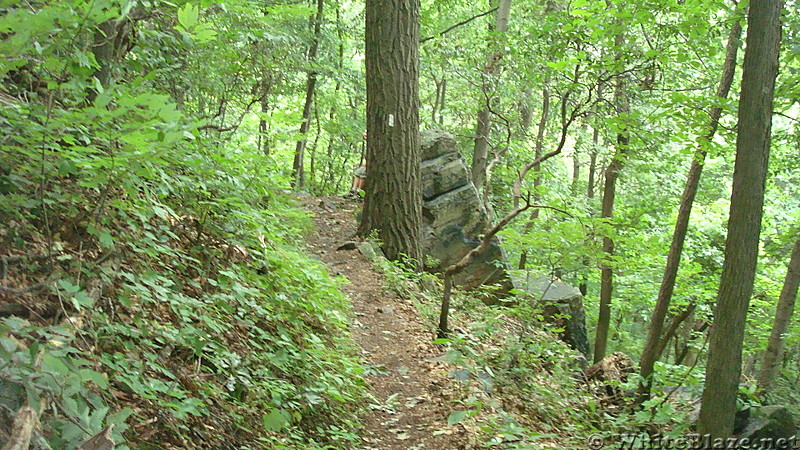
(413, 393)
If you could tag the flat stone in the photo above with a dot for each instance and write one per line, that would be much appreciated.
(443, 174)
(351, 245)
(562, 305)
(370, 250)
(434, 143)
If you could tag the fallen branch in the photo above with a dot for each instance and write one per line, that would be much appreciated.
(25, 422)
(32, 288)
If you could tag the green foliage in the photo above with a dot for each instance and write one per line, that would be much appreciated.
(170, 255)
(52, 372)
(518, 380)
(144, 227)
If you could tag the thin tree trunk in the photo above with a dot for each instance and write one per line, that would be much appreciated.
(443, 327)
(263, 128)
(442, 102)
(593, 163)
(783, 314)
(107, 39)
(576, 167)
(329, 167)
(263, 124)
(686, 351)
(314, 146)
(609, 195)
(298, 166)
(541, 129)
(480, 152)
(724, 365)
(437, 98)
(583, 287)
(650, 354)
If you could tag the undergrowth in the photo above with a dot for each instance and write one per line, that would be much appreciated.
(152, 282)
(526, 389)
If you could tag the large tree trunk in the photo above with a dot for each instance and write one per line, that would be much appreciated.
(724, 365)
(783, 313)
(298, 166)
(393, 203)
(607, 213)
(650, 354)
(480, 152)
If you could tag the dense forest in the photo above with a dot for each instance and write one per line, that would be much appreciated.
(178, 200)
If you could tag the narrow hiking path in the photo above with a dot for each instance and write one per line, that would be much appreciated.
(409, 382)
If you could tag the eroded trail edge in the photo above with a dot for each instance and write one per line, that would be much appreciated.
(407, 377)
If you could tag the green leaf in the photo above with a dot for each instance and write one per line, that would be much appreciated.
(275, 420)
(106, 241)
(68, 287)
(81, 300)
(188, 15)
(456, 417)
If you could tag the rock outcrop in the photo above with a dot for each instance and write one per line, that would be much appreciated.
(453, 216)
(562, 305)
(770, 424)
(454, 219)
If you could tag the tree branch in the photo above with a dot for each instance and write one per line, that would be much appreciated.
(464, 22)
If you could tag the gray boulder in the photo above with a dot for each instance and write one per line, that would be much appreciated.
(562, 306)
(457, 208)
(453, 216)
(435, 143)
(770, 427)
(454, 220)
(443, 174)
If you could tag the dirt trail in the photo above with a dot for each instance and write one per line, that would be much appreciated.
(410, 386)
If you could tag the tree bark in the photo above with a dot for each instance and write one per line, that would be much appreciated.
(541, 129)
(583, 287)
(298, 166)
(393, 203)
(783, 314)
(724, 365)
(607, 213)
(480, 152)
(107, 47)
(650, 354)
